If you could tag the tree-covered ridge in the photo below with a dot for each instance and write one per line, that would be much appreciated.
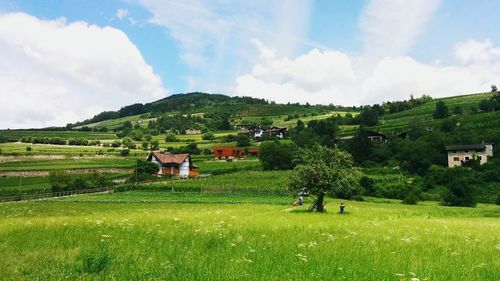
(196, 102)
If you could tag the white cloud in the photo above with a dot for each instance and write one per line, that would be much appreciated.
(390, 27)
(213, 34)
(53, 72)
(334, 77)
(121, 13)
(473, 51)
(317, 76)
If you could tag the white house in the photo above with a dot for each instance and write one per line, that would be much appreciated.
(459, 154)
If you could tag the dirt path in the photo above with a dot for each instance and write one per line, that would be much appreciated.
(74, 171)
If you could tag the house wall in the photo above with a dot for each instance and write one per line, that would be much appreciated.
(227, 152)
(184, 169)
(455, 158)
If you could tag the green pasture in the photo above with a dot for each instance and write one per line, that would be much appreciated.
(245, 181)
(12, 186)
(15, 135)
(14, 149)
(68, 164)
(139, 236)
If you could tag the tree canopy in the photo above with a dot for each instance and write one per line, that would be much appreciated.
(322, 171)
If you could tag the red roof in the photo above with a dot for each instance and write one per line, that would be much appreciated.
(170, 158)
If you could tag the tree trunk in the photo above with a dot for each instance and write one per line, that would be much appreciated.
(319, 203)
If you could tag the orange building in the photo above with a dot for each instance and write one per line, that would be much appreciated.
(231, 152)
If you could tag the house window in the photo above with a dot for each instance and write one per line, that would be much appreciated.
(454, 151)
(467, 158)
(480, 157)
(466, 151)
(456, 159)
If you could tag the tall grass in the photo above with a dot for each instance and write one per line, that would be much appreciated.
(55, 240)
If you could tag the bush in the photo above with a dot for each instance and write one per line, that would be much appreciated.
(28, 148)
(170, 137)
(368, 185)
(410, 199)
(498, 199)
(358, 197)
(124, 152)
(242, 140)
(128, 143)
(208, 136)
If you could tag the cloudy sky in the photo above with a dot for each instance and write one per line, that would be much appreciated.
(64, 61)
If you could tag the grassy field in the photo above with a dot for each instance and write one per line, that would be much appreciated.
(67, 164)
(246, 182)
(15, 135)
(12, 186)
(11, 148)
(148, 235)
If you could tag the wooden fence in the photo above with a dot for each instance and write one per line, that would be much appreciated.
(36, 196)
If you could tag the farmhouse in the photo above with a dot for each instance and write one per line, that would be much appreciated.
(376, 137)
(174, 164)
(459, 154)
(231, 152)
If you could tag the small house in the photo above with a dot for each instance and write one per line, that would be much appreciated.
(278, 132)
(193, 132)
(459, 154)
(376, 137)
(174, 164)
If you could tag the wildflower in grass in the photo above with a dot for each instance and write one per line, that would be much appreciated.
(312, 244)
(399, 274)
(105, 236)
(498, 246)
(301, 257)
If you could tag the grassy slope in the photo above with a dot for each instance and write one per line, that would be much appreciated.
(129, 239)
(479, 122)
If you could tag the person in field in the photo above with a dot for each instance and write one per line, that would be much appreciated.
(298, 202)
(341, 207)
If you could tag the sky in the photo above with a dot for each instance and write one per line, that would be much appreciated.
(65, 61)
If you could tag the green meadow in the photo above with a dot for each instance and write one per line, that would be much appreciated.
(141, 235)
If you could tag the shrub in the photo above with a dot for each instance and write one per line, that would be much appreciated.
(170, 137)
(208, 136)
(116, 143)
(124, 152)
(242, 140)
(28, 148)
(368, 185)
(459, 188)
(410, 199)
(498, 199)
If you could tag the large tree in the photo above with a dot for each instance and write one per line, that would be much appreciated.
(322, 171)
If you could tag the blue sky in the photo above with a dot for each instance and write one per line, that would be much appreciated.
(89, 56)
